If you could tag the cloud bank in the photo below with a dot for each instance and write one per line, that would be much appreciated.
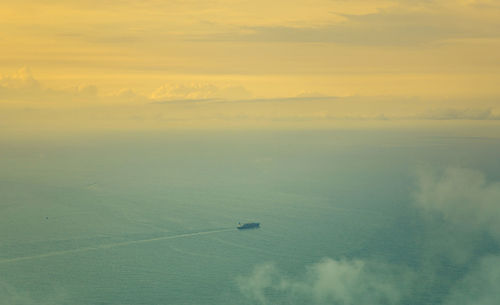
(27, 104)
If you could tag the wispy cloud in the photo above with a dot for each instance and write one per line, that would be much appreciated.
(460, 114)
(221, 100)
(405, 23)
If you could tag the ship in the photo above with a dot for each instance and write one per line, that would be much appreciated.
(250, 225)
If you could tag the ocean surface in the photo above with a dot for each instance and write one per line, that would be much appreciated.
(150, 218)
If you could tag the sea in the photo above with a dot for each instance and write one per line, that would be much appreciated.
(150, 217)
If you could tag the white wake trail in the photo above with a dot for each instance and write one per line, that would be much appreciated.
(107, 246)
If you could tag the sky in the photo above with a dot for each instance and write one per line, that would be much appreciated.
(127, 65)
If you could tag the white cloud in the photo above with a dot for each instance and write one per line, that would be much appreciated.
(461, 212)
(23, 86)
(254, 287)
(346, 282)
(313, 94)
(463, 197)
(87, 90)
(22, 79)
(199, 91)
(21, 83)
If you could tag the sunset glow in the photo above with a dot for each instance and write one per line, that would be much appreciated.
(247, 64)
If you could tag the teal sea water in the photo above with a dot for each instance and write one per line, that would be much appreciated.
(151, 218)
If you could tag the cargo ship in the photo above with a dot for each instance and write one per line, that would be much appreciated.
(250, 225)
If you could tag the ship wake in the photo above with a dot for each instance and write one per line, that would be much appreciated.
(111, 245)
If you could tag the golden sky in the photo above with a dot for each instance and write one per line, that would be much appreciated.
(246, 64)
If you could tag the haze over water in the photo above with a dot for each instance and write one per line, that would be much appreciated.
(363, 135)
(345, 218)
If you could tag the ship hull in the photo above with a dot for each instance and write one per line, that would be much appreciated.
(253, 225)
